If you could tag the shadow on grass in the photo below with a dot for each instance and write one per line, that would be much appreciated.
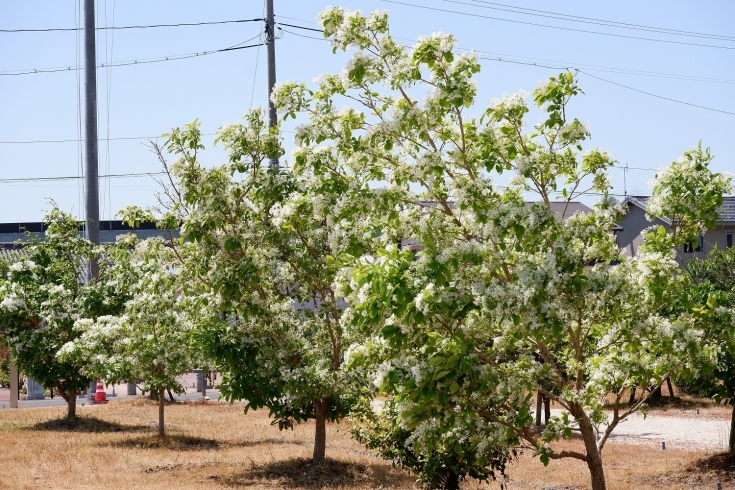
(303, 473)
(269, 441)
(86, 424)
(701, 473)
(173, 442)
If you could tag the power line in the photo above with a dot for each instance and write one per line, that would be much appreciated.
(540, 65)
(302, 35)
(657, 96)
(77, 177)
(543, 65)
(119, 28)
(130, 62)
(590, 20)
(606, 69)
(560, 27)
(78, 140)
(299, 27)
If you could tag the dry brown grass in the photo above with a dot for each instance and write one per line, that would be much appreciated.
(215, 446)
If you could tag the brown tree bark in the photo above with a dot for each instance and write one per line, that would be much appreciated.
(320, 434)
(539, 402)
(71, 402)
(594, 457)
(161, 403)
(731, 443)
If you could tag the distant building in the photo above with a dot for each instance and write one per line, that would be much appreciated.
(11, 233)
(635, 221)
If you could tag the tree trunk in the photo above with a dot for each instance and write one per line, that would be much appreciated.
(161, 403)
(597, 474)
(656, 394)
(547, 409)
(320, 434)
(731, 444)
(632, 396)
(594, 457)
(451, 481)
(71, 402)
(671, 388)
(539, 402)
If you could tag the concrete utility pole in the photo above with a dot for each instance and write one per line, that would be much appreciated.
(270, 41)
(91, 176)
(91, 180)
(14, 389)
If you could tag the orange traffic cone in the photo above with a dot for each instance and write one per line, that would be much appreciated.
(100, 398)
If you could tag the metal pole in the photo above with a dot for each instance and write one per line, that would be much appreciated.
(91, 180)
(271, 45)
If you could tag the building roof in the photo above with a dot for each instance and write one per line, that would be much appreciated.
(726, 211)
(564, 210)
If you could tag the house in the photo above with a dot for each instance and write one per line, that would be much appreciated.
(634, 221)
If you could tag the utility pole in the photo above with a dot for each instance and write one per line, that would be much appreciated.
(270, 41)
(14, 391)
(91, 177)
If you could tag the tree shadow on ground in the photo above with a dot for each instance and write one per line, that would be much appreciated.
(303, 473)
(173, 442)
(269, 441)
(86, 424)
(701, 473)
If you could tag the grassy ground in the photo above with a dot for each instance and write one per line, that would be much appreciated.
(216, 446)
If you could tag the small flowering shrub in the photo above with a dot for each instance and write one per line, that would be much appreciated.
(151, 340)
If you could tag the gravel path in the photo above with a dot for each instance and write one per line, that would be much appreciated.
(680, 429)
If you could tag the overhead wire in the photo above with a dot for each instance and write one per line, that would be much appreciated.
(108, 90)
(119, 28)
(81, 191)
(132, 62)
(468, 14)
(590, 20)
(76, 177)
(656, 95)
(541, 65)
(607, 69)
(257, 58)
(602, 68)
(28, 142)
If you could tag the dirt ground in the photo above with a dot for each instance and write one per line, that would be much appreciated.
(215, 446)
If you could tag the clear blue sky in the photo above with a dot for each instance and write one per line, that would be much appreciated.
(147, 100)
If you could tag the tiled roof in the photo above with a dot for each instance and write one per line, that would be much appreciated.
(726, 211)
(10, 255)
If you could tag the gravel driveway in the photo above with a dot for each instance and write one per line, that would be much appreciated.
(680, 429)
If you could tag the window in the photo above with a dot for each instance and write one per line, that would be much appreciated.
(691, 247)
(728, 239)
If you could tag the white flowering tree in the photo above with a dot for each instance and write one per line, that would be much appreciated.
(505, 297)
(44, 293)
(152, 339)
(262, 238)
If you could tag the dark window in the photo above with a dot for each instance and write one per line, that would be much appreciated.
(692, 247)
(728, 239)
